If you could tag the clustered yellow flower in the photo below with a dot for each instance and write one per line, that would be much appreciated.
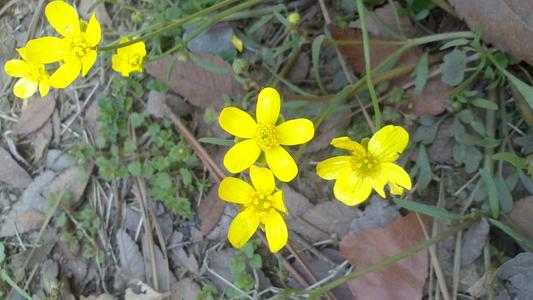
(75, 51)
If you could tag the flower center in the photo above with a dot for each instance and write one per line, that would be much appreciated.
(36, 73)
(134, 60)
(364, 164)
(261, 203)
(76, 46)
(266, 136)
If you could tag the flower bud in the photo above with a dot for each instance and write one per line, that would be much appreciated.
(294, 18)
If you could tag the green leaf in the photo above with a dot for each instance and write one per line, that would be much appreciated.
(426, 134)
(256, 262)
(511, 158)
(504, 194)
(2, 252)
(454, 43)
(315, 54)
(494, 204)
(216, 141)
(422, 163)
(186, 176)
(484, 103)
(421, 71)
(524, 89)
(207, 65)
(519, 237)
(475, 140)
(453, 67)
(429, 210)
(137, 119)
(469, 155)
(135, 168)
(526, 181)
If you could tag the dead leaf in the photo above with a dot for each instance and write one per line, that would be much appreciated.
(522, 216)
(195, 83)
(90, 117)
(185, 289)
(505, 23)
(40, 140)
(325, 133)
(100, 10)
(131, 259)
(474, 240)
(210, 211)
(35, 114)
(300, 69)
(431, 101)
(440, 151)
(101, 297)
(71, 180)
(158, 103)
(404, 279)
(518, 272)
(143, 292)
(11, 173)
(30, 220)
(379, 213)
(165, 278)
(180, 257)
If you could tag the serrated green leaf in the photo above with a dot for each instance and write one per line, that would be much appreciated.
(494, 204)
(453, 67)
(511, 158)
(469, 155)
(135, 168)
(256, 262)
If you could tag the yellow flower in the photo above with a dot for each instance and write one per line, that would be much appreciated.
(237, 43)
(32, 77)
(294, 18)
(76, 49)
(129, 59)
(264, 136)
(370, 165)
(261, 203)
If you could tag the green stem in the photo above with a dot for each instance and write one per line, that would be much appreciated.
(4, 276)
(315, 293)
(170, 26)
(368, 67)
(208, 24)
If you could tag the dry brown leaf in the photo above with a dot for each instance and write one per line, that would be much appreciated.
(35, 114)
(210, 211)
(522, 216)
(505, 23)
(185, 289)
(40, 140)
(131, 259)
(100, 10)
(431, 101)
(196, 84)
(101, 297)
(158, 103)
(71, 180)
(404, 279)
(11, 173)
(179, 256)
(165, 278)
(143, 292)
(91, 114)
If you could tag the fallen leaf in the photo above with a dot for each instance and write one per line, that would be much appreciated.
(300, 69)
(40, 140)
(72, 180)
(210, 211)
(185, 289)
(180, 257)
(158, 102)
(402, 280)
(325, 133)
(440, 151)
(195, 83)
(90, 117)
(522, 216)
(507, 24)
(431, 101)
(474, 240)
(379, 213)
(130, 257)
(35, 114)
(101, 297)
(30, 220)
(518, 272)
(214, 40)
(11, 173)
(165, 278)
(143, 292)
(100, 10)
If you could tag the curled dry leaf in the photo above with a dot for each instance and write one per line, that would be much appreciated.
(35, 114)
(131, 259)
(518, 272)
(141, 291)
(195, 83)
(404, 279)
(210, 211)
(11, 173)
(522, 216)
(505, 23)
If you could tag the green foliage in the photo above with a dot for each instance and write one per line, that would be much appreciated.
(165, 161)
(208, 292)
(244, 259)
(453, 67)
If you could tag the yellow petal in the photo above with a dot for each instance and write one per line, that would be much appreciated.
(281, 163)
(119, 66)
(276, 231)
(43, 50)
(241, 156)
(295, 132)
(235, 190)
(93, 34)
(243, 227)
(237, 122)
(44, 87)
(346, 143)
(237, 43)
(262, 179)
(268, 106)
(350, 189)
(395, 174)
(63, 17)
(378, 184)
(16, 67)
(65, 75)
(395, 189)
(25, 88)
(278, 202)
(388, 143)
(331, 168)
(88, 62)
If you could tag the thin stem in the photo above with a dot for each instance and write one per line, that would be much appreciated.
(368, 71)
(170, 26)
(315, 293)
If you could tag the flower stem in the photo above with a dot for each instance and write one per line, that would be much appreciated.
(366, 51)
(170, 26)
(315, 293)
